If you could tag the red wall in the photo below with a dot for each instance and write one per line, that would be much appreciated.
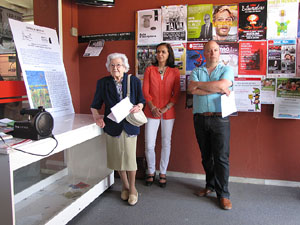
(261, 147)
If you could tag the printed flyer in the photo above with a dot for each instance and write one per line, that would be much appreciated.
(247, 94)
(199, 22)
(225, 23)
(145, 57)
(252, 20)
(252, 58)
(230, 55)
(282, 19)
(149, 27)
(282, 58)
(287, 98)
(174, 23)
(268, 91)
(179, 50)
(194, 56)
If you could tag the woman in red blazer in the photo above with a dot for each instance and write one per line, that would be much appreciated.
(161, 89)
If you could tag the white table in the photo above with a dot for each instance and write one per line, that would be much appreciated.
(45, 202)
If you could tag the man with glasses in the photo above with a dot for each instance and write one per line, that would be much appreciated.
(206, 29)
(223, 17)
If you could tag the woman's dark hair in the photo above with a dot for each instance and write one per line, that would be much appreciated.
(171, 58)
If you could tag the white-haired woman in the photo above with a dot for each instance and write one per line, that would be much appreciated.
(121, 137)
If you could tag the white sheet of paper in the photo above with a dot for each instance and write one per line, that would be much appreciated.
(120, 110)
(228, 104)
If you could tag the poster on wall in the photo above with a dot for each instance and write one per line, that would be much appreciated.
(247, 94)
(298, 58)
(282, 19)
(225, 23)
(282, 58)
(174, 23)
(149, 27)
(268, 91)
(230, 56)
(199, 22)
(194, 56)
(252, 58)
(144, 58)
(287, 98)
(42, 66)
(252, 20)
(179, 50)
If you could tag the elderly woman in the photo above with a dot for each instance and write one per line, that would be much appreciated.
(121, 137)
(161, 89)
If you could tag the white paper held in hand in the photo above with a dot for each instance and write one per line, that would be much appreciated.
(228, 104)
(120, 110)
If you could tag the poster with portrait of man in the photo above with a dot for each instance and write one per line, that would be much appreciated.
(225, 23)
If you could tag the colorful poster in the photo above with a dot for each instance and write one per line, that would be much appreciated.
(225, 23)
(194, 56)
(179, 50)
(199, 22)
(247, 94)
(252, 20)
(281, 58)
(287, 100)
(145, 57)
(174, 23)
(252, 58)
(298, 58)
(268, 91)
(149, 27)
(230, 55)
(282, 19)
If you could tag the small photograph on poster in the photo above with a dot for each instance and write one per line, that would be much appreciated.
(194, 56)
(252, 58)
(225, 23)
(199, 22)
(247, 94)
(145, 57)
(252, 20)
(174, 23)
(282, 19)
(149, 27)
(268, 90)
(298, 58)
(230, 55)
(281, 58)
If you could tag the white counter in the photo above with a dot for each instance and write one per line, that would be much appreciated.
(45, 202)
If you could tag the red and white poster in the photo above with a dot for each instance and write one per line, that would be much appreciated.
(252, 58)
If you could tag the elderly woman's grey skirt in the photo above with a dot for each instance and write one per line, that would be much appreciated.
(121, 152)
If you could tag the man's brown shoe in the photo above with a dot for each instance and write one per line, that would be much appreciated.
(225, 203)
(204, 192)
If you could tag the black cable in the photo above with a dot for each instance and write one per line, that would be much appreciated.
(30, 152)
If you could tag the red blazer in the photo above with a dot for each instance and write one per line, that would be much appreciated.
(159, 91)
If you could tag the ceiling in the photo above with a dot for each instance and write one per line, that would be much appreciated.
(22, 6)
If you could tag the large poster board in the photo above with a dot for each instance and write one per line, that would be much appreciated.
(42, 67)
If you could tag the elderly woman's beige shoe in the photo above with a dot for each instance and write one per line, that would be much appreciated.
(133, 199)
(124, 195)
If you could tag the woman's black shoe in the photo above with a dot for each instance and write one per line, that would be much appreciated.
(162, 184)
(148, 181)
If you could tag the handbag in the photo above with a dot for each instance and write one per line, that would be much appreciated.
(137, 119)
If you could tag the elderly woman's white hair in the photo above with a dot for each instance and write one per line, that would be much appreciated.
(117, 56)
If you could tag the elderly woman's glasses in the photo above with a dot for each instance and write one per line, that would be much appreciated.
(117, 65)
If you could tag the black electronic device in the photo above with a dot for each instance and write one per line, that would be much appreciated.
(39, 124)
(96, 3)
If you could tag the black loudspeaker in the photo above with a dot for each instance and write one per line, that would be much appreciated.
(39, 124)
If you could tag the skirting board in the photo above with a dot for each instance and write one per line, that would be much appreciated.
(238, 179)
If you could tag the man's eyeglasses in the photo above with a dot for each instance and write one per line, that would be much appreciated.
(117, 65)
(206, 18)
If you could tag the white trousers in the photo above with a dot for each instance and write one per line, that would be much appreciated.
(151, 129)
